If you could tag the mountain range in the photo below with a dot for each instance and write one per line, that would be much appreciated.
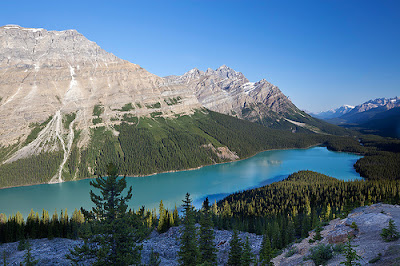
(333, 113)
(379, 116)
(70, 105)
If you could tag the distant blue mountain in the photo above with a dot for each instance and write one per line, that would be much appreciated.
(333, 113)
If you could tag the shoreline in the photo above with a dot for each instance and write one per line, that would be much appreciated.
(188, 169)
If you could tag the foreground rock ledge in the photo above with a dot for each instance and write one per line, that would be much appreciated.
(370, 221)
(52, 252)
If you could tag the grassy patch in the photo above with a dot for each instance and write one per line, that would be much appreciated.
(97, 120)
(130, 118)
(155, 114)
(173, 101)
(6, 151)
(67, 119)
(153, 106)
(98, 110)
(127, 107)
(36, 128)
(139, 105)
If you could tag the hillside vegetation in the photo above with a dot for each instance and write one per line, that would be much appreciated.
(146, 145)
(141, 146)
(289, 209)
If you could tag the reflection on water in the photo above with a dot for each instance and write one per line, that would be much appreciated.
(215, 181)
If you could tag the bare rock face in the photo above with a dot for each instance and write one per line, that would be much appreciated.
(167, 245)
(46, 72)
(226, 91)
(367, 241)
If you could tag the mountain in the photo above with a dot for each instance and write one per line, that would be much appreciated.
(366, 111)
(380, 116)
(67, 108)
(386, 124)
(333, 113)
(53, 73)
(227, 91)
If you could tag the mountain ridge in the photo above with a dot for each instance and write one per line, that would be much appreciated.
(333, 113)
(63, 101)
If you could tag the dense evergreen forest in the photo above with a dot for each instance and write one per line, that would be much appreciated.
(159, 144)
(28, 171)
(149, 145)
(288, 209)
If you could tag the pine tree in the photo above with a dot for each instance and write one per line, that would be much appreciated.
(206, 241)
(55, 226)
(20, 223)
(247, 256)
(28, 258)
(390, 233)
(112, 242)
(30, 224)
(266, 252)
(188, 253)
(175, 215)
(22, 244)
(44, 224)
(215, 208)
(328, 212)
(162, 220)
(350, 254)
(5, 256)
(318, 231)
(235, 253)
(171, 221)
(154, 258)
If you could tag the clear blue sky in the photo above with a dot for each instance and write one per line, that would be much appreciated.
(322, 54)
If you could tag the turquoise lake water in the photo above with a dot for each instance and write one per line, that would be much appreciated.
(215, 181)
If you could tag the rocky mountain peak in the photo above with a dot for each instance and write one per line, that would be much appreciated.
(227, 72)
(32, 47)
(193, 73)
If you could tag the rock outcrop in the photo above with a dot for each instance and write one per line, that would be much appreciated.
(369, 221)
(52, 252)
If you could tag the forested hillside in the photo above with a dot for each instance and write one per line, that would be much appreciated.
(288, 209)
(146, 145)
(141, 146)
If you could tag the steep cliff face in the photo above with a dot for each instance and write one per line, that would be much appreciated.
(226, 91)
(53, 73)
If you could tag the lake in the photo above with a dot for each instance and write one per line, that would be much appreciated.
(214, 181)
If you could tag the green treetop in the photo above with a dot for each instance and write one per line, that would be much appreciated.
(189, 252)
(235, 253)
(206, 241)
(112, 241)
